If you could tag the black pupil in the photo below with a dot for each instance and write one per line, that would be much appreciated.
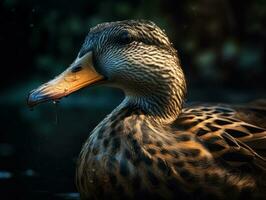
(125, 38)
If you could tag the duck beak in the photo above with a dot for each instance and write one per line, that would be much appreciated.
(80, 74)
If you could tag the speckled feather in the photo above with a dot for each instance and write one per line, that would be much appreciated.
(206, 152)
(151, 148)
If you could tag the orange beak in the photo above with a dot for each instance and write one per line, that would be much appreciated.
(80, 74)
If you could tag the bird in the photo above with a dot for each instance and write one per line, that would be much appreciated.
(154, 145)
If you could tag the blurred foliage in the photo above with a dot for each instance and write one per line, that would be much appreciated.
(221, 44)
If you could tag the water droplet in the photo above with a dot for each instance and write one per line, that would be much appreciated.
(56, 102)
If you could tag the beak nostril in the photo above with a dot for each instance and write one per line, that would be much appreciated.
(76, 68)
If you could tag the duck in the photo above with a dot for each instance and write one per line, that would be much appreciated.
(154, 145)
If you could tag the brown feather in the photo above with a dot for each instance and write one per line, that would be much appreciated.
(230, 138)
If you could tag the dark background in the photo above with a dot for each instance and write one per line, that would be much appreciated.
(221, 44)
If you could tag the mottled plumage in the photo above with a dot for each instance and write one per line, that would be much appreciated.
(206, 153)
(153, 147)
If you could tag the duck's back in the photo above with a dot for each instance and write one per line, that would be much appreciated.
(236, 126)
(235, 135)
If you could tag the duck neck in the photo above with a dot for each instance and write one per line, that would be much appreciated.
(164, 103)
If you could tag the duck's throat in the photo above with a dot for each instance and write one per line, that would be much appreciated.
(163, 105)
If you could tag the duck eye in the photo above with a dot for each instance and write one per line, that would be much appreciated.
(125, 38)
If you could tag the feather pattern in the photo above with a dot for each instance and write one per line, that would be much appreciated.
(150, 146)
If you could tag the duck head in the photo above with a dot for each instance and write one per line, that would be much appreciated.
(134, 55)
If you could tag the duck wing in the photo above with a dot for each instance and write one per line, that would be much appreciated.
(234, 139)
(252, 113)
